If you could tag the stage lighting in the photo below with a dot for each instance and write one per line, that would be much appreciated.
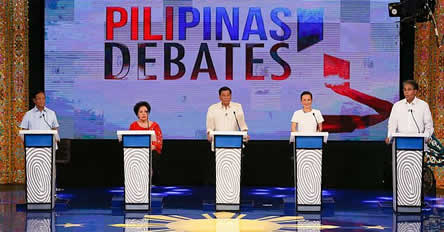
(396, 9)
(417, 10)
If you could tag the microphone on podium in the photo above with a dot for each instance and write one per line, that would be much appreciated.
(43, 115)
(413, 116)
(316, 121)
(237, 122)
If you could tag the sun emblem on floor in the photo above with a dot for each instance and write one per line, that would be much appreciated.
(223, 222)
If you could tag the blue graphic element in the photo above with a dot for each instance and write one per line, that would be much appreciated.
(136, 141)
(52, 4)
(207, 23)
(409, 143)
(228, 141)
(282, 25)
(309, 142)
(183, 24)
(38, 140)
(254, 13)
(310, 27)
(232, 27)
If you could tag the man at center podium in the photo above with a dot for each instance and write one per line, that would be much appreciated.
(225, 115)
(222, 116)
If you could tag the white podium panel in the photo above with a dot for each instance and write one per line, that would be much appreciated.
(228, 175)
(307, 148)
(407, 161)
(309, 176)
(137, 168)
(409, 172)
(40, 147)
(38, 175)
(137, 175)
(228, 148)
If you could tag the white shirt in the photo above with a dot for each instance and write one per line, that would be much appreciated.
(221, 118)
(402, 121)
(39, 120)
(306, 121)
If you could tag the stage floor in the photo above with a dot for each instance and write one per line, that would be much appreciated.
(192, 209)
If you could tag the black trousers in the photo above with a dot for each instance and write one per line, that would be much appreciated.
(209, 169)
(155, 167)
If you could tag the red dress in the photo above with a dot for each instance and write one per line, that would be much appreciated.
(155, 127)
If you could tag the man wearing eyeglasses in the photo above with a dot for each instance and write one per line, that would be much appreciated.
(410, 115)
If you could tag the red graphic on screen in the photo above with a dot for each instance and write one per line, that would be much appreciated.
(336, 66)
(348, 123)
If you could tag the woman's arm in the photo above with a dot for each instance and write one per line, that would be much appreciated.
(159, 140)
(293, 126)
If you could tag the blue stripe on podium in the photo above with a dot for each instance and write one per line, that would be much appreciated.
(228, 141)
(38, 140)
(410, 143)
(136, 141)
(309, 142)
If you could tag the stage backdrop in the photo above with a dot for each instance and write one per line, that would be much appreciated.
(13, 88)
(429, 73)
(103, 56)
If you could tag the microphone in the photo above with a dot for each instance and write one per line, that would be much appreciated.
(316, 121)
(237, 122)
(413, 116)
(50, 127)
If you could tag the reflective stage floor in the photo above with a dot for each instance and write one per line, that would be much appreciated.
(177, 208)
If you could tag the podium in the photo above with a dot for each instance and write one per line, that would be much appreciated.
(137, 168)
(40, 148)
(307, 148)
(228, 149)
(407, 162)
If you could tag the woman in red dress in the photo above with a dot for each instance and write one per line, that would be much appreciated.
(142, 110)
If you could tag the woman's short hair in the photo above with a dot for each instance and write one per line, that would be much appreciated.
(140, 104)
(306, 93)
